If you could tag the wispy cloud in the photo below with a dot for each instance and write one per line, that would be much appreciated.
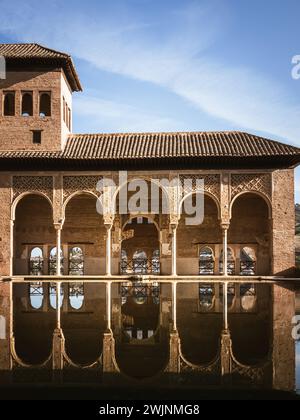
(118, 117)
(179, 60)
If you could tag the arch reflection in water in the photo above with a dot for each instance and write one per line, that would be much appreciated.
(206, 296)
(248, 296)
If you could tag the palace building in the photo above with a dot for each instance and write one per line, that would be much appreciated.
(143, 293)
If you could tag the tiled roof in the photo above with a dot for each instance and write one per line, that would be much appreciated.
(29, 52)
(173, 145)
(149, 150)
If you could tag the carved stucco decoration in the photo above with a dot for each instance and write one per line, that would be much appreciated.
(261, 183)
(39, 184)
(73, 184)
(211, 183)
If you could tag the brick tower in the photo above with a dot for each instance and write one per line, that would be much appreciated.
(36, 98)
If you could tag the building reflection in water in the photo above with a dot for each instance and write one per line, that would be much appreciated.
(179, 334)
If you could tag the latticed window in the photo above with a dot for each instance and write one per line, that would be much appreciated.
(52, 262)
(206, 262)
(230, 262)
(76, 262)
(52, 295)
(248, 262)
(206, 296)
(140, 262)
(248, 296)
(76, 295)
(36, 262)
(140, 292)
(36, 294)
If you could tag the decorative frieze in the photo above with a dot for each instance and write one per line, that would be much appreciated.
(35, 184)
(86, 183)
(211, 183)
(261, 183)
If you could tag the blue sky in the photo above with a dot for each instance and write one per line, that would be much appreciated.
(149, 65)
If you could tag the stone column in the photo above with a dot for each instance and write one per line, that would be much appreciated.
(58, 342)
(58, 228)
(108, 354)
(174, 343)
(225, 341)
(108, 250)
(225, 246)
(174, 249)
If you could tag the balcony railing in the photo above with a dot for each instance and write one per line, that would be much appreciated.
(140, 266)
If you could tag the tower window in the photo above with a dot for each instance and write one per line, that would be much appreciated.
(27, 104)
(45, 104)
(36, 136)
(9, 104)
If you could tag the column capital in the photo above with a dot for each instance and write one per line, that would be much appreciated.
(108, 226)
(225, 225)
(58, 225)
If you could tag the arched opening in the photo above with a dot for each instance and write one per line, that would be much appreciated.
(9, 104)
(206, 261)
(199, 321)
(250, 227)
(248, 296)
(251, 324)
(231, 294)
(76, 268)
(84, 233)
(140, 247)
(248, 262)
(191, 238)
(27, 104)
(230, 262)
(53, 261)
(33, 231)
(36, 262)
(45, 105)
(141, 350)
(206, 296)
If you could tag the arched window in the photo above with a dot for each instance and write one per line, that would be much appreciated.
(206, 262)
(206, 296)
(45, 104)
(36, 294)
(36, 262)
(27, 104)
(52, 262)
(248, 262)
(52, 295)
(155, 262)
(36, 291)
(76, 262)
(9, 104)
(140, 262)
(76, 295)
(248, 296)
(230, 262)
